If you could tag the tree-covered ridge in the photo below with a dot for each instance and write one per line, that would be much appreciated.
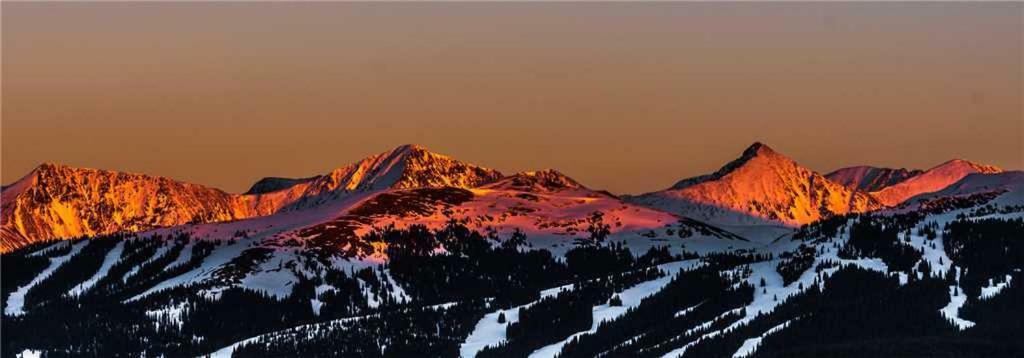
(885, 282)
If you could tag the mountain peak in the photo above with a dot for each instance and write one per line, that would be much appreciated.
(272, 184)
(764, 184)
(54, 167)
(410, 148)
(405, 167)
(51, 165)
(758, 150)
(957, 163)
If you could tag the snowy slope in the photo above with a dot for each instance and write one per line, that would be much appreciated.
(932, 180)
(1008, 187)
(867, 178)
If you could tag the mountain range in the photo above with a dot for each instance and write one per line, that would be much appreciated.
(413, 253)
(760, 187)
(58, 201)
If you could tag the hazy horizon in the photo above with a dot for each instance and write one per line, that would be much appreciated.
(625, 97)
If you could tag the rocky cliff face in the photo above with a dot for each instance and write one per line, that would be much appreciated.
(58, 201)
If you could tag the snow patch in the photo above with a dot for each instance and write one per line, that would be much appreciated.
(750, 345)
(184, 257)
(687, 311)
(160, 252)
(30, 353)
(50, 248)
(994, 289)
(112, 257)
(957, 298)
(172, 314)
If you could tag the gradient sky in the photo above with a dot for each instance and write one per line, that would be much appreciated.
(624, 97)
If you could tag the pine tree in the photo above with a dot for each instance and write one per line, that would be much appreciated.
(615, 301)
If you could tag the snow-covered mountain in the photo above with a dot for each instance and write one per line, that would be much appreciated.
(760, 186)
(409, 253)
(407, 166)
(550, 208)
(931, 180)
(59, 201)
(868, 178)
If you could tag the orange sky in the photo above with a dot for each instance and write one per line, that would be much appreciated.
(625, 97)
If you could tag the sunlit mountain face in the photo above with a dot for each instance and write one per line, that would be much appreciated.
(58, 201)
(414, 253)
(765, 185)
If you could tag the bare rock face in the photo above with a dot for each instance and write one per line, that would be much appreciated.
(761, 184)
(57, 201)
